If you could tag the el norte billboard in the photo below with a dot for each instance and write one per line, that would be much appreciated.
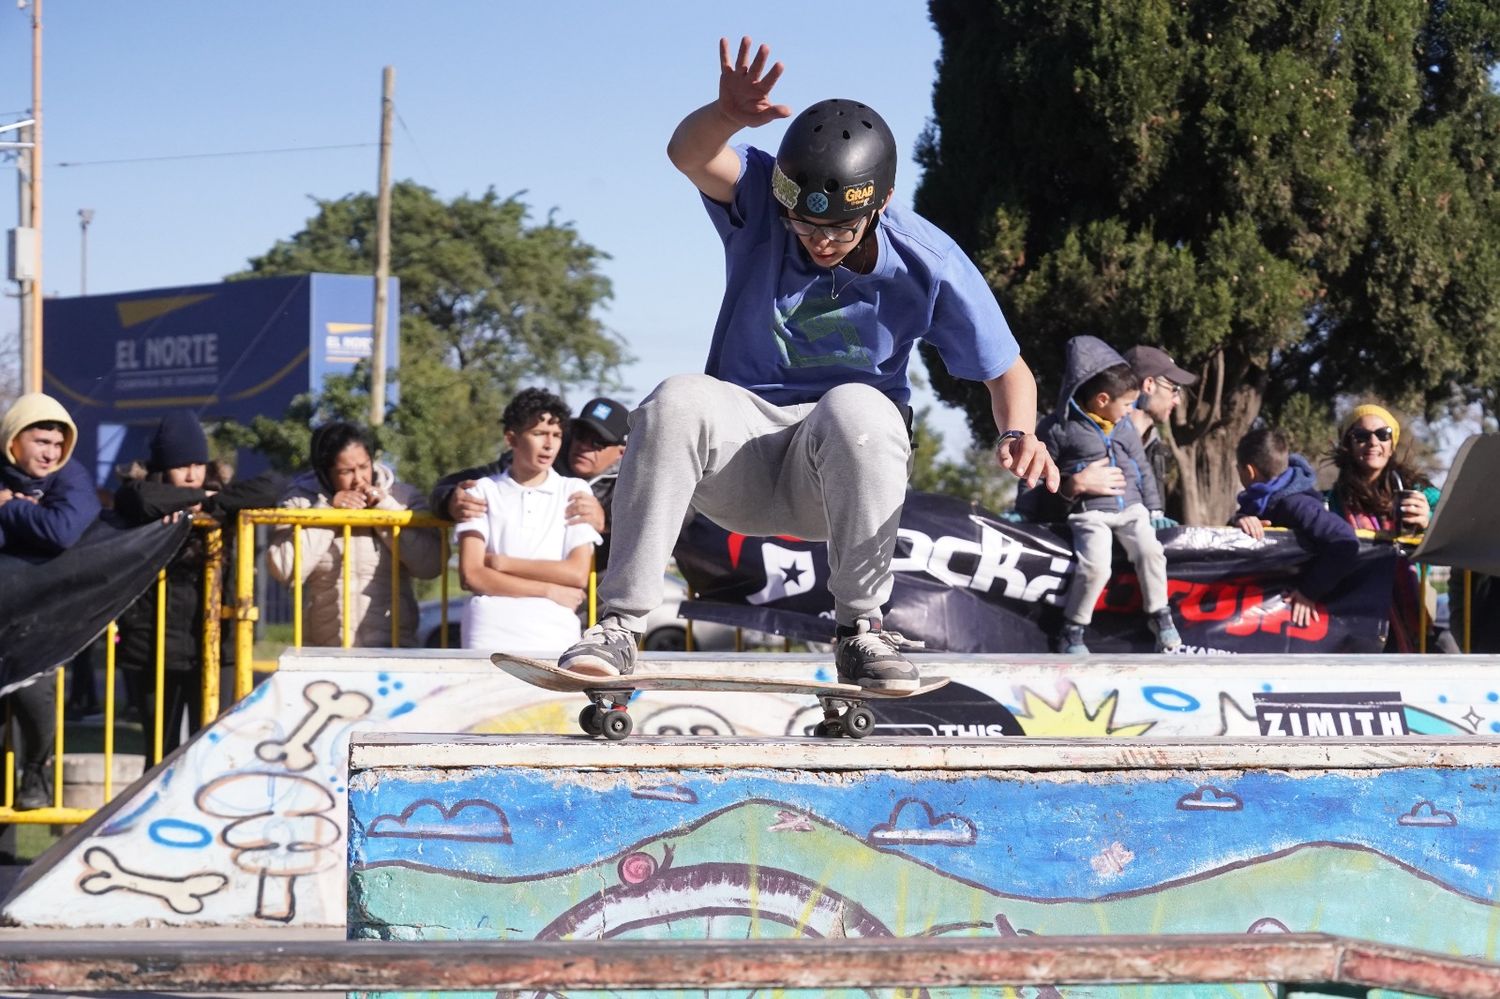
(235, 350)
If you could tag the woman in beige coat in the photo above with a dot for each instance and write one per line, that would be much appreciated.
(345, 476)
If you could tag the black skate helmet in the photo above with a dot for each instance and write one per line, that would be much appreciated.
(836, 161)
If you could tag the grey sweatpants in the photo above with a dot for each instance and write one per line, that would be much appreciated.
(1094, 532)
(834, 470)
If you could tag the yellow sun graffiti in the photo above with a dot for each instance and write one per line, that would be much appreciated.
(547, 718)
(1071, 717)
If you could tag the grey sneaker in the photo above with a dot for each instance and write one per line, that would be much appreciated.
(1167, 637)
(606, 649)
(1069, 641)
(869, 657)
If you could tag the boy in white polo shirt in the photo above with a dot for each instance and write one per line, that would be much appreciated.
(527, 568)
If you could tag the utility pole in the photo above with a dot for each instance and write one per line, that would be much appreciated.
(85, 216)
(382, 251)
(31, 344)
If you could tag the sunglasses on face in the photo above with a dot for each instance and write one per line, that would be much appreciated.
(1360, 435)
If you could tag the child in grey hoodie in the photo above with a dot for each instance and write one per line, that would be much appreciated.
(1091, 422)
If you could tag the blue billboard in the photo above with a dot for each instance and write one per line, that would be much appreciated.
(235, 350)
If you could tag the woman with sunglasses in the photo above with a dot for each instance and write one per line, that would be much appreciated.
(1376, 491)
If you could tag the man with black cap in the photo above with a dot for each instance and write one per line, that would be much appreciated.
(594, 445)
(1161, 381)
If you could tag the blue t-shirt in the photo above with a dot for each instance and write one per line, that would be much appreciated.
(790, 330)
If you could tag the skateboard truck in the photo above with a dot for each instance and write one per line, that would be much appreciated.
(607, 713)
(844, 716)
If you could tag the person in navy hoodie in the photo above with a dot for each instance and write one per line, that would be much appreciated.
(46, 503)
(1281, 491)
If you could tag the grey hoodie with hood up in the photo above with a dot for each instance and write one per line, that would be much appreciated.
(1075, 440)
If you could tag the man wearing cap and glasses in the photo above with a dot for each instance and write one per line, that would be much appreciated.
(800, 422)
(593, 445)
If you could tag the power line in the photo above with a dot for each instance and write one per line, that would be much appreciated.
(416, 147)
(200, 156)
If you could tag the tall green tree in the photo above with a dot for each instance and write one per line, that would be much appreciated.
(1293, 197)
(490, 302)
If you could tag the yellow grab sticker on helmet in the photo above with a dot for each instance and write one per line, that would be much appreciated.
(858, 197)
(784, 188)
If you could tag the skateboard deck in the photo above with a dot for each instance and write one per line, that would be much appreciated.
(609, 696)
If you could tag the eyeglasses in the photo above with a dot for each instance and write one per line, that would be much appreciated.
(1360, 435)
(1169, 385)
(832, 233)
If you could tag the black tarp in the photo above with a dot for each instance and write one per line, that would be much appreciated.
(50, 611)
(967, 581)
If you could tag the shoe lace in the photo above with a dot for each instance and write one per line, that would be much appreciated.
(876, 642)
(609, 630)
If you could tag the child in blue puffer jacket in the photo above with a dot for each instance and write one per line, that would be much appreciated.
(1281, 490)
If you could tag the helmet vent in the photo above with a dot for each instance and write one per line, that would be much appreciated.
(817, 128)
(846, 135)
(867, 124)
(830, 185)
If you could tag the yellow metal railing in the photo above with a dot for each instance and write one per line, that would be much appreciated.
(245, 613)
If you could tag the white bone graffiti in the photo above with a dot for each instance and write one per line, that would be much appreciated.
(184, 895)
(328, 704)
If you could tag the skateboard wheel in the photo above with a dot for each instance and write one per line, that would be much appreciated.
(829, 728)
(858, 722)
(588, 720)
(617, 724)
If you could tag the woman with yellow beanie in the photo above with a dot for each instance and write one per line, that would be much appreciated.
(1377, 491)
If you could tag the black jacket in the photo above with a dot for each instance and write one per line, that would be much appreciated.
(142, 501)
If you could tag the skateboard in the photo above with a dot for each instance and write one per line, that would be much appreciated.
(607, 714)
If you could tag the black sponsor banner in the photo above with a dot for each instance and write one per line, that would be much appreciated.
(1330, 715)
(967, 581)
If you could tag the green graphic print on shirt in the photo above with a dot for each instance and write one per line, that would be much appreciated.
(816, 334)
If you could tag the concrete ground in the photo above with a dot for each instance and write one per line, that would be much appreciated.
(13, 936)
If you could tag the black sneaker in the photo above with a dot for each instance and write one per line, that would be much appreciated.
(606, 649)
(869, 657)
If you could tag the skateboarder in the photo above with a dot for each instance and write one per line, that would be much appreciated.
(801, 424)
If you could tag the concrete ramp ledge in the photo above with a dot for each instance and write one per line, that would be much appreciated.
(570, 839)
(246, 825)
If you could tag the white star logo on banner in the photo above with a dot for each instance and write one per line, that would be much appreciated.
(788, 573)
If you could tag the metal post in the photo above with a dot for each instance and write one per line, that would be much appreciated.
(33, 353)
(85, 216)
(382, 251)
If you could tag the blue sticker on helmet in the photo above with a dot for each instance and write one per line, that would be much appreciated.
(601, 411)
(817, 202)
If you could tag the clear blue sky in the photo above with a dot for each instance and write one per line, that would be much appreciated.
(570, 101)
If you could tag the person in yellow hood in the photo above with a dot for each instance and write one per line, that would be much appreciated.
(46, 501)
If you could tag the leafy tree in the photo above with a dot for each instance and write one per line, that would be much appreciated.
(490, 303)
(1293, 197)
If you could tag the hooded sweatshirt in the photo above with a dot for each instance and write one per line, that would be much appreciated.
(1076, 440)
(66, 503)
(1292, 500)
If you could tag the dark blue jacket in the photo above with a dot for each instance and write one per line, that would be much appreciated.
(1292, 500)
(66, 505)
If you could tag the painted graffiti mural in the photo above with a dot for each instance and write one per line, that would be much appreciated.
(246, 824)
(1401, 855)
